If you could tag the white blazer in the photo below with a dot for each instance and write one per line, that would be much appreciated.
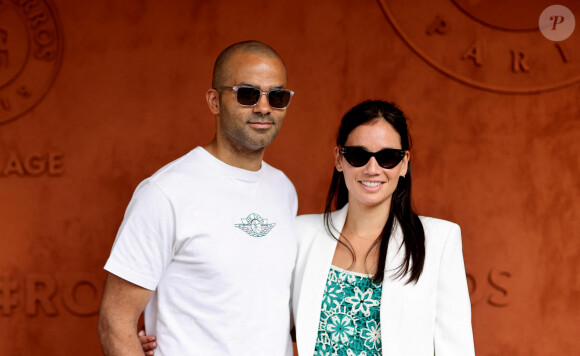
(430, 317)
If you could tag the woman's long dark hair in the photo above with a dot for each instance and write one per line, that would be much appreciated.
(401, 211)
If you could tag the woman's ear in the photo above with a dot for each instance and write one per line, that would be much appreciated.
(212, 98)
(405, 166)
(337, 159)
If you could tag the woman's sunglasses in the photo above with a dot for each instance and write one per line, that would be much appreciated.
(248, 95)
(386, 158)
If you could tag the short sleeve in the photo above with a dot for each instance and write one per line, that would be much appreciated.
(144, 244)
(294, 200)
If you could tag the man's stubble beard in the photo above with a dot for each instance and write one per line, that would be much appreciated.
(243, 139)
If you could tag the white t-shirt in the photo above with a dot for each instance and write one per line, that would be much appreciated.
(216, 245)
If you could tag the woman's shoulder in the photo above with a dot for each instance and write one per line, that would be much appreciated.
(307, 227)
(440, 234)
(438, 227)
(309, 221)
(437, 223)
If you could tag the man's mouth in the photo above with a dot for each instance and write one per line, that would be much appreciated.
(261, 124)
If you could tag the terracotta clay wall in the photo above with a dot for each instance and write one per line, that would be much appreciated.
(97, 95)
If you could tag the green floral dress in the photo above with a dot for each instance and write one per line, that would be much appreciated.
(350, 316)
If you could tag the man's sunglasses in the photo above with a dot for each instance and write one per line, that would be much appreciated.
(386, 158)
(247, 95)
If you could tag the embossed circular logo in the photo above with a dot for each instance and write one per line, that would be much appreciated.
(557, 23)
(31, 48)
(494, 45)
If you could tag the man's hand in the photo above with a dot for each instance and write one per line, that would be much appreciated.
(122, 304)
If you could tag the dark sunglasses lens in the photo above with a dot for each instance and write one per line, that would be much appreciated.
(248, 96)
(388, 158)
(356, 156)
(279, 98)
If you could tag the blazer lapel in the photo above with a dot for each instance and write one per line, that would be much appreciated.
(391, 299)
(314, 282)
(396, 251)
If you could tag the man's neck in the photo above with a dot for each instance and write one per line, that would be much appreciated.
(235, 156)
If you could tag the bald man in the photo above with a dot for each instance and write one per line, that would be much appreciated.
(206, 248)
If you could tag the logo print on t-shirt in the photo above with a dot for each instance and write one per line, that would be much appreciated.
(254, 225)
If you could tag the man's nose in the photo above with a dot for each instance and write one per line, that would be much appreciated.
(263, 106)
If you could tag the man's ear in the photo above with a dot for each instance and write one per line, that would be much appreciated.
(212, 98)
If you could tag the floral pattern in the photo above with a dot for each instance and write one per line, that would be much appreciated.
(350, 316)
(340, 328)
(371, 335)
(362, 301)
(331, 295)
(349, 352)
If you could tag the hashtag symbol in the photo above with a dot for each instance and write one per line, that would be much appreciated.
(8, 299)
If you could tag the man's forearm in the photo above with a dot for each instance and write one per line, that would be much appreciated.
(122, 304)
(119, 340)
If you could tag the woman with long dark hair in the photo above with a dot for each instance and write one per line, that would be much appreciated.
(372, 277)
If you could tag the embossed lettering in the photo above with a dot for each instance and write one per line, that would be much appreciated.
(13, 166)
(33, 58)
(40, 288)
(474, 53)
(26, 4)
(55, 164)
(519, 62)
(492, 279)
(438, 25)
(44, 39)
(494, 293)
(80, 294)
(45, 53)
(8, 288)
(557, 20)
(38, 18)
(35, 165)
(563, 52)
(82, 306)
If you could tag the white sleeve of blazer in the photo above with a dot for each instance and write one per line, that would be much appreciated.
(431, 317)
